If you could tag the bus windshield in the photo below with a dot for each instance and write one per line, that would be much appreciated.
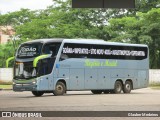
(26, 70)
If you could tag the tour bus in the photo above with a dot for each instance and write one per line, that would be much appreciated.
(60, 65)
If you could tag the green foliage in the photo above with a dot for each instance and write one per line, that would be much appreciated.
(144, 28)
(17, 18)
(140, 25)
(8, 50)
(146, 5)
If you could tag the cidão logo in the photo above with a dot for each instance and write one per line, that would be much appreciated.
(27, 49)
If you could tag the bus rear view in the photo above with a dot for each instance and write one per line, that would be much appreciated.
(60, 65)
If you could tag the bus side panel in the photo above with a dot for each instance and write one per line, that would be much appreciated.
(76, 81)
(91, 78)
(62, 74)
(143, 73)
(103, 78)
(142, 78)
(43, 83)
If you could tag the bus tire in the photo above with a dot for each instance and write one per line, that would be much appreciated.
(117, 87)
(96, 91)
(60, 89)
(37, 93)
(127, 87)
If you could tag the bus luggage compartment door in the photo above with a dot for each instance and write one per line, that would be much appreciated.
(91, 79)
(76, 81)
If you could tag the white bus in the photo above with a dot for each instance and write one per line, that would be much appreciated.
(60, 65)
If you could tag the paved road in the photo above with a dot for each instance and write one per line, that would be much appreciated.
(139, 100)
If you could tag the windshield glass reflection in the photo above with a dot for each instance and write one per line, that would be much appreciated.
(24, 70)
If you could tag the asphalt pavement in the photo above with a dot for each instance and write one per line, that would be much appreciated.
(145, 99)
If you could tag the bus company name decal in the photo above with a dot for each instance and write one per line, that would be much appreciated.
(96, 63)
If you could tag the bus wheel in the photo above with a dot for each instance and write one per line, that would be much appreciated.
(96, 91)
(60, 89)
(127, 87)
(37, 93)
(117, 87)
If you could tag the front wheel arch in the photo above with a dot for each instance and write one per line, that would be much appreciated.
(63, 81)
(60, 88)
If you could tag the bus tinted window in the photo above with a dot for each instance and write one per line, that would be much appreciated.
(51, 48)
(73, 50)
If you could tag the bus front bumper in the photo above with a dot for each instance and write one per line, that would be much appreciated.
(24, 87)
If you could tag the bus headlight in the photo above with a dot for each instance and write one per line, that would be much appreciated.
(34, 82)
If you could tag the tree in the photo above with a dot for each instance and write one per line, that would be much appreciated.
(17, 18)
(151, 29)
(144, 28)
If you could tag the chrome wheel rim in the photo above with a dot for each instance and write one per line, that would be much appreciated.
(128, 87)
(59, 88)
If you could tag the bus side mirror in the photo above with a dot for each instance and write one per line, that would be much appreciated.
(8, 60)
(35, 61)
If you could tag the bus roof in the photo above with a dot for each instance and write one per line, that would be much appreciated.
(86, 41)
(46, 40)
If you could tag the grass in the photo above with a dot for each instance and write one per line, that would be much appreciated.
(5, 86)
(155, 85)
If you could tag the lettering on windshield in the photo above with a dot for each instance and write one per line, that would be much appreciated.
(29, 50)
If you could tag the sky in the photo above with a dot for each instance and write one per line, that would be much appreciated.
(15, 5)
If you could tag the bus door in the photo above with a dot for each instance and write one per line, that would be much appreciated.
(44, 69)
(46, 65)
